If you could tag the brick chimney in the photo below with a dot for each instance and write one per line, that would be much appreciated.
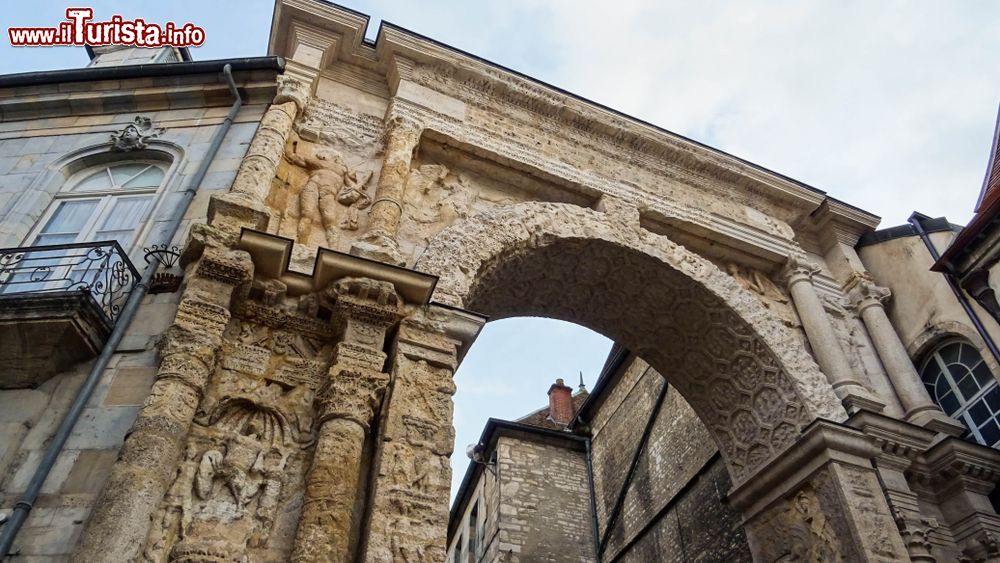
(561, 402)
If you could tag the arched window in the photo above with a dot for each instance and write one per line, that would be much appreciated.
(109, 201)
(962, 385)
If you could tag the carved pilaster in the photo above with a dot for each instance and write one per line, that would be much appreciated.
(150, 455)
(409, 512)
(867, 299)
(962, 475)
(346, 405)
(379, 243)
(826, 347)
(820, 501)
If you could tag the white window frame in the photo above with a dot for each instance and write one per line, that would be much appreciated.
(105, 199)
(962, 414)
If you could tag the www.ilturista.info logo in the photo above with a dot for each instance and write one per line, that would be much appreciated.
(78, 29)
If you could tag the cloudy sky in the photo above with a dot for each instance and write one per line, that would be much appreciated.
(887, 105)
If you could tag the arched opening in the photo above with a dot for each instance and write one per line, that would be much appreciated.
(751, 385)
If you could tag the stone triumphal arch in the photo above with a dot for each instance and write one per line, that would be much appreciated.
(396, 194)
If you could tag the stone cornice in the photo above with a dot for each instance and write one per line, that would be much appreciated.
(505, 85)
(835, 221)
(894, 437)
(953, 458)
(131, 95)
(271, 255)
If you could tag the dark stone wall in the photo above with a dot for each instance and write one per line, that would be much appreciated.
(673, 508)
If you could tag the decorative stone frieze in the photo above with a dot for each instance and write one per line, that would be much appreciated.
(820, 500)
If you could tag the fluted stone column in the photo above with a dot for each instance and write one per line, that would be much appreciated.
(145, 468)
(347, 404)
(244, 205)
(379, 242)
(918, 408)
(823, 339)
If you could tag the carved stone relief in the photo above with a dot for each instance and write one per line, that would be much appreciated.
(246, 449)
(837, 515)
(321, 195)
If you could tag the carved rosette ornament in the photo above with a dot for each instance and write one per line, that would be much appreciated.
(348, 401)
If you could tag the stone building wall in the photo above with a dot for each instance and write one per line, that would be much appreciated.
(536, 507)
(673, 509)
(546, 510)
(34, 147)
(923, 308)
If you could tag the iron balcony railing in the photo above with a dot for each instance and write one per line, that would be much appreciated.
(101, 269)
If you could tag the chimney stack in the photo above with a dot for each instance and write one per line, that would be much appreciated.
(560, 402)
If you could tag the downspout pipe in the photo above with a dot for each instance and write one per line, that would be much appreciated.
(963, 300)
(9, 530)
(595, 527)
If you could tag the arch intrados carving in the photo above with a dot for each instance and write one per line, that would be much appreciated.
(744, 374)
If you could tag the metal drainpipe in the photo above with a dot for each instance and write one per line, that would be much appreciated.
(24, 505)
(959, 294)
(595, 526)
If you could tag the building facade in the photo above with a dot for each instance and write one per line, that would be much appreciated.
(373, 204)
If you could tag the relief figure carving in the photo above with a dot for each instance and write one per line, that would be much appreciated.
(331, 198)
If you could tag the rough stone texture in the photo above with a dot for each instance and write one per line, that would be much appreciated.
(677, 310)
(673, 505)
(545, 504)
(524, 200)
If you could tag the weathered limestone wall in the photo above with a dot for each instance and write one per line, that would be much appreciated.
(673, 509)
(536, 508)
(923, 308)
(33, 150)
(546, 514)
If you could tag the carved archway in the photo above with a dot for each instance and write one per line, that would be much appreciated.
(750, 381)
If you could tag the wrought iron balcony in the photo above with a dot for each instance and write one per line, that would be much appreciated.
(58, 305)
(100, 269)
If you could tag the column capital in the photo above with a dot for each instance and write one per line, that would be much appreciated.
(862, 292)
(363, 311)
(291, 89)
(401, 128)
(798, 269)
(351, 394)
